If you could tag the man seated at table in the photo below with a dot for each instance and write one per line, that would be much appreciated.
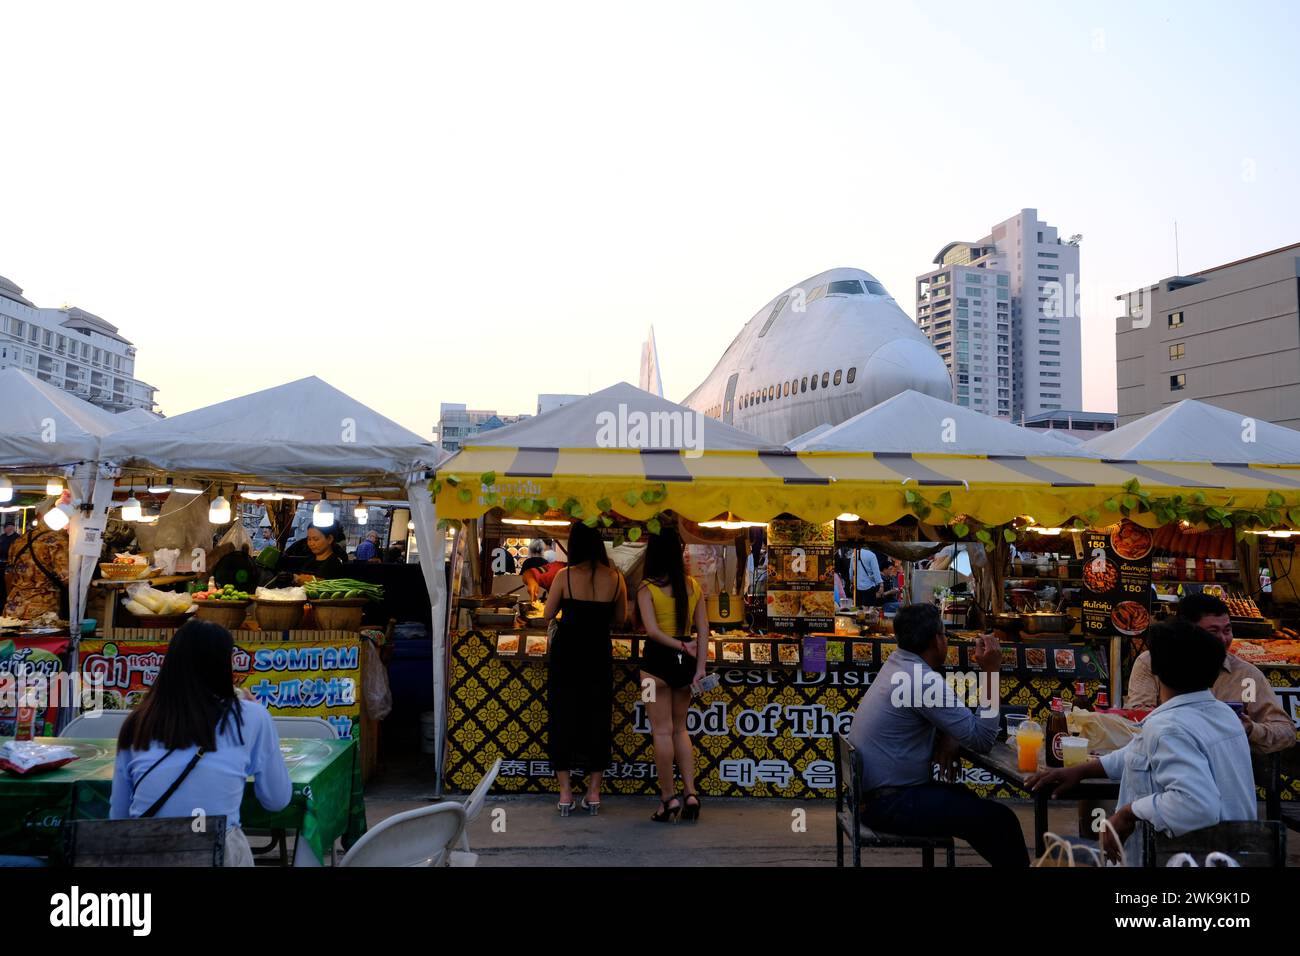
(1267, 726)
(895, 731)
(1189, 768)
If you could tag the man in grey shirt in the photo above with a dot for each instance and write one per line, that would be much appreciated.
(894, 731)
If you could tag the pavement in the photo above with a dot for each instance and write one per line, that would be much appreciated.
(526, 830)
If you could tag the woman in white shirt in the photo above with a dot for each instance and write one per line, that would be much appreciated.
(193, 742)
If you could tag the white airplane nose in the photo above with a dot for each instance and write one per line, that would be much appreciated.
(902, 364)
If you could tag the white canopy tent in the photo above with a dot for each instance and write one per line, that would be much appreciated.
(1196, 431)
(601, 418)
(136, 416)
(914, 423)
(45, 431)
(303, 435)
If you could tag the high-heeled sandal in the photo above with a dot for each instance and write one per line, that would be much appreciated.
(592, 808)
(667, 814)
(565, 808)
(691, 811)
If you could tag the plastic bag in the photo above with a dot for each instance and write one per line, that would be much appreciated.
(237, 537)
(1105, 732)
(375, 689)
(158, 602)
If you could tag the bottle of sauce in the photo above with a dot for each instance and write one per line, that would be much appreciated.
(1056, 729)
(1081, 695)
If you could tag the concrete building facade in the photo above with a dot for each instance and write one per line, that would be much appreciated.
(1229, 336)
(70, 349)
(1040, 275)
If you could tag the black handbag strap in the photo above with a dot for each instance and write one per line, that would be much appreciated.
(158, 804)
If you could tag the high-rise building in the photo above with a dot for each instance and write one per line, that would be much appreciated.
(1020, 355)
(70, 349)
(1229, 336)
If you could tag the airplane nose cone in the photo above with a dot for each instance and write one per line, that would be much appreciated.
(902, 364)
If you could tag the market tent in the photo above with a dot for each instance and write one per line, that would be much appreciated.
(137, 416)
(1004, 471)
(1197, 431)
(306, 430)
(43, 426)
(619, 416)
(1064, 436)
(914, 423)
(306, 435)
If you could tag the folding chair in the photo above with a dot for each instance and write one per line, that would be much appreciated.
(157, 841)
(848, 817)
(423, 837)
(1252, 843)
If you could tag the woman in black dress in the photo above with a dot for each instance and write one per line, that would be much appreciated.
(589, 596)
(671, 604)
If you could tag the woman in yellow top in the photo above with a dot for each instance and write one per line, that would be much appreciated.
(670, 602)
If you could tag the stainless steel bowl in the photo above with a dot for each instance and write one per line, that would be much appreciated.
(1046, 623)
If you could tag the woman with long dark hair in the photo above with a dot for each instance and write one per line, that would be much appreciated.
(670, 604)
(193, 742)
(589, 597)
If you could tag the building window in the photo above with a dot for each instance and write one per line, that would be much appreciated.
(853, 373)
(1175, 319)
(836, 380)
(1177, 382)
(1176, 352)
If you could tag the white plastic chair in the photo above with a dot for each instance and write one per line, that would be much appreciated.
(311, 728)
(96, 725)
(423, 837)
(477, 799)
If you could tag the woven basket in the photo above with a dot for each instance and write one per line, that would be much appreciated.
(229, 614)
(341, 615)
(124, 572)
(278, 615)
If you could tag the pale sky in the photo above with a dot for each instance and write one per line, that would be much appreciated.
(424, 203)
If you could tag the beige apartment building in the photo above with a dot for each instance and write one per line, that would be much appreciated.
(1229, 336)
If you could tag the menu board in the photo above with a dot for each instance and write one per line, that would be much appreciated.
(801, 575)
(1117, 581)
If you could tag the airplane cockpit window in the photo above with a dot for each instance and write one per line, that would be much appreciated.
(776, 310)
(874, 287)
(844, 287)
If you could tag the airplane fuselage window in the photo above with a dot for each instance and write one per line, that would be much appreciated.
(826, 377)
(814, 381)
(844, 287)
(853, 373)
(786, 388)
(837, 376)
(803, 385)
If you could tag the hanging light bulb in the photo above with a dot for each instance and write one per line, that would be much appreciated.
(6, 490)
(131, 510)
(57, 518)
(361, 513)
(219, 510)
(410, 526)
(322, 516)
(54, 487)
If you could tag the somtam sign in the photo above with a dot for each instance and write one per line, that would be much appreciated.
(290, 678)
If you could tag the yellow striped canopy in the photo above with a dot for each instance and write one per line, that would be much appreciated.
(757, 485)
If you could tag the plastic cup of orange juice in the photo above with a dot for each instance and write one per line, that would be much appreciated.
(1029, 741)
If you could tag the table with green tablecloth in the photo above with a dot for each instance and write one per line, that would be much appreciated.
(327, 796)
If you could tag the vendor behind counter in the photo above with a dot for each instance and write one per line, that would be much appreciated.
(319, 555)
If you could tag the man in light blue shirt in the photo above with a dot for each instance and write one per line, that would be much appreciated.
(1189, 768)
(866, 570)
